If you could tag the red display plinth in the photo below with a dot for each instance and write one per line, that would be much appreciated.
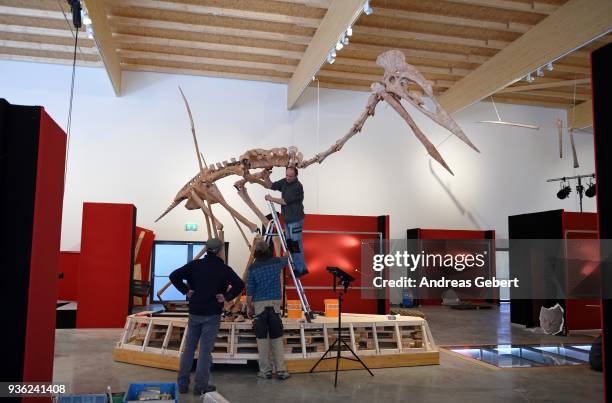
(422, 235)
(105, 265)
(69, 272)
(580, 314)
(33, 149)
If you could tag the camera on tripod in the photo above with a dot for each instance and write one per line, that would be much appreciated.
(340, 277)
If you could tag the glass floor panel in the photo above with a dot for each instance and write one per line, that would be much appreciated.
(527, 356)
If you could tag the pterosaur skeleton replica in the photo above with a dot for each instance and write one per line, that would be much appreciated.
(255, 166)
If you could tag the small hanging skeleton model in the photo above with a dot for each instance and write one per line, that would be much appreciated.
(255, 166)
(571, 137)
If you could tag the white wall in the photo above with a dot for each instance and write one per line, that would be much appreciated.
(138, 149)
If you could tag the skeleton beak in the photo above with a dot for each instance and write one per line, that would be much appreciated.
(431, 149)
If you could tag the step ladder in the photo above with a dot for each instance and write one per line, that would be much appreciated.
(274, 229)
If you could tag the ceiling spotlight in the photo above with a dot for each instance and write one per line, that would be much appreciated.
(539, 72)
(564, 192)
(345, 40)
(591, 190)
(331, 57)
(529, 78)
(349, 31)
(339, 45)
(367, 9)
(549, 66)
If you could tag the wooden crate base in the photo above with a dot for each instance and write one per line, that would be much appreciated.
(147, 359)
(380, 341)
(372, 361)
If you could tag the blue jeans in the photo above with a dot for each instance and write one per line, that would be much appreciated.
(293, 231)
(204, 329)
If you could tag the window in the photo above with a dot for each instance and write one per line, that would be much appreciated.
(168, 256)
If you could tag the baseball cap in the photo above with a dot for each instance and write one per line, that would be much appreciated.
(214, 245)
(261, 246)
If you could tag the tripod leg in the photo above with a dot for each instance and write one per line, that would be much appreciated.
(337, 362)
(331, 348)
(357, 357)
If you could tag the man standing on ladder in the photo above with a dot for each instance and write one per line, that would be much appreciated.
(292, 209)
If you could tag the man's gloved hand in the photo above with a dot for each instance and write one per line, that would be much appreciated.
(220, 298)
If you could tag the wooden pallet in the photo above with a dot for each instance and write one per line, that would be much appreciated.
(380, 341)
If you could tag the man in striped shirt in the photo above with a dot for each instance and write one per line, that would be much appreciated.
(264, 300)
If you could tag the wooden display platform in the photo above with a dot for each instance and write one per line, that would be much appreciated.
(379, 340)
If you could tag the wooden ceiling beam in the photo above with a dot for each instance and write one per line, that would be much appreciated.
(123, 39)
(51, 60)
(426, 37)
(572, 25)
(218, 11)
(509, 26)
(561, 94)
(532, 102)
(104, 40)
(31, 12)
(20, 29)
(136, 54)
(310, 3)
(206, 29)
(530, 7)
(200, 72)
(554, 84)
(339, 15)
(50, 47)
(581, 115)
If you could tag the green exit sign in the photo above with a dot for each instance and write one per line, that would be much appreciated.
(191, 227)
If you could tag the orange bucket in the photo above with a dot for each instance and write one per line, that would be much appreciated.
(294, 309)
(331, 307)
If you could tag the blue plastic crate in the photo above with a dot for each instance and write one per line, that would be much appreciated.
(98, 398)
(164, 387)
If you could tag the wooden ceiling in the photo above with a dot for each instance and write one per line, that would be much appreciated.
(265, 40)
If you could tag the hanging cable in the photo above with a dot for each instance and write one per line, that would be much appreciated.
(318, 132)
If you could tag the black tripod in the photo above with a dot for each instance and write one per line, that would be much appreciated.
(344, 279)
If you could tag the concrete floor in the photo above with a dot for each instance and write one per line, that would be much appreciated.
(83, 360)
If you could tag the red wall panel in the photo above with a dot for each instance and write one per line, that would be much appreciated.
(40, 330)
(69, 266)
(341, 249)
(105, 265)
(582, 314)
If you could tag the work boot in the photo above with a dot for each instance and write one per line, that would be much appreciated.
(281, 376)
(299, 274)
(264, 375)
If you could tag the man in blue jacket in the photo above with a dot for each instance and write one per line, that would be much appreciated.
(292, 209)
(208, 280)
